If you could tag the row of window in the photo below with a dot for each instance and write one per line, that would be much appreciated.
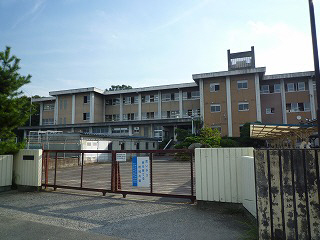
(298, 107)
(153, 115)
(241, 84)
(264, 89)
(165, 97)
(242, 106)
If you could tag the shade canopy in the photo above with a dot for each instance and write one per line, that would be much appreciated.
(276, 131)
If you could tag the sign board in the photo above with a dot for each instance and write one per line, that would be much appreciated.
(141, 172)
(121, 157)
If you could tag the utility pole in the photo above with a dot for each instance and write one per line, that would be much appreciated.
(316, 60)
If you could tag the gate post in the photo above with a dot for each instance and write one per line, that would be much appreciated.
(55, 172)
(113, 171)
(46, 169)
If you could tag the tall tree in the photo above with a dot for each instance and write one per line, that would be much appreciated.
(14, 107)
(119, 87)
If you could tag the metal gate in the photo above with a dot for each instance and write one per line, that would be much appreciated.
(170, 173)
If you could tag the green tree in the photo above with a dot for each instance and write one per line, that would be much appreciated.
(118, 87)
(208, 137)
(14, 108)
(246, 141)
(182, 134)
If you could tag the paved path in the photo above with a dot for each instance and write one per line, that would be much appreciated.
(64, 215)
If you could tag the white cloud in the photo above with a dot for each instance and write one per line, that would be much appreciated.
(280, 47)
(32, 14)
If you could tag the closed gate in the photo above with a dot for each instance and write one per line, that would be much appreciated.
(163, 173)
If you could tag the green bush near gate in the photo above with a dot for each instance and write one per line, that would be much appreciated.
(208, 137)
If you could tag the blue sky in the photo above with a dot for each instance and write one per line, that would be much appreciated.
(77, 43)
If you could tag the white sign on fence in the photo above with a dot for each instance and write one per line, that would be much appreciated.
(140, 172)
(121, 157)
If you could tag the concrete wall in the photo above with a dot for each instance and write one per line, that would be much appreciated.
(288, 193)
(6, 164)
(220, 176)
(28, 172)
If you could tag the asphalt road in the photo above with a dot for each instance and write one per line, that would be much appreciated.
(81, 215)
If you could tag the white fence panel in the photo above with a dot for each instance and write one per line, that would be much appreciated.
(27, 167)
(6, 164)
(222, 175)
(248, 185)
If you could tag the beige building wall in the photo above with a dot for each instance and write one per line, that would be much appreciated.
(81, 107)
(65, 109)
(219, 97)
(48, 114)
(98, 108)
(271, 100)
(112, 109)
(242, 95)
(149, 107)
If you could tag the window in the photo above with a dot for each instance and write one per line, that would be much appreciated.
(214, 87)
(86, 116)
(147, 145)
(264, 89)
(127, 100)
(119, 130)
(270, 110)
(112, 118)
(137, 146)
(307, 107)
(149, 115)
(47, 121)
(298, 107)
(86, 99)
(277, 88)
(243, 106)
(157, 131)
(215, 107)
(195, 95)
(170, 114)
(301, 86)
(217, 128)
(100, 130)
(166, 97)
(129, 116)
(150, 98)
(290, 87)
(191, 113)
(136, 99)
(108, 101)
(48, 107)
(136, 130)
(243, 84)
(65, 104)
(64, 120)
(116, 101)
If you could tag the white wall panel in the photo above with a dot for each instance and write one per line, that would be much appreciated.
(6, 164)
(28, 172)
(223, 175)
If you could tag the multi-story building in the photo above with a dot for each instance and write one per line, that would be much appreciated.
(224, 100)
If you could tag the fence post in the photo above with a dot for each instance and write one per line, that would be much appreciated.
(151, 178)
(113, 181)
(46, 169)
(191, 166)
(55, 171)
(82, 156)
